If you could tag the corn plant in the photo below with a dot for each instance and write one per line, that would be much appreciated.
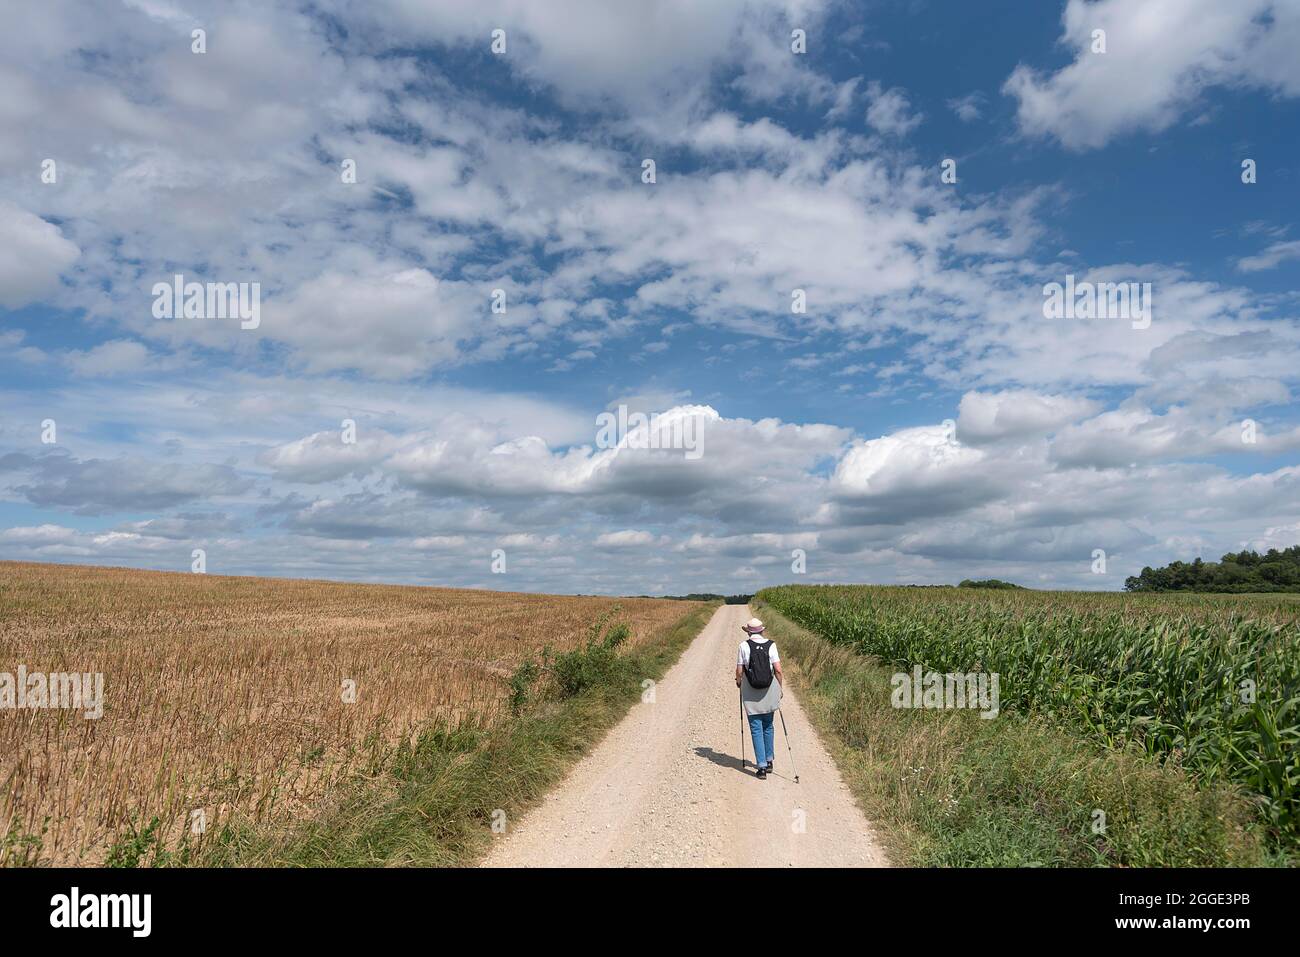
(1210, 681)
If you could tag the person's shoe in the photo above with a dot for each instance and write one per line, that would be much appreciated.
(762, 774)
(768, 769)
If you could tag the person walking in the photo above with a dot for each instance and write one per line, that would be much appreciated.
(759, 678)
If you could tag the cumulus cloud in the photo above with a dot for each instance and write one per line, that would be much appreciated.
(326, 456)
(1161, 55)
(1018, 414)
(1278, 536)
(33, 254)
(912, 472)
(687, 453)
(1135, 434)
(904, 506)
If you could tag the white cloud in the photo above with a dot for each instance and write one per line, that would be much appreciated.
(33, 254)
(38, 535)
(592, 51)
(1271, 257)
(1278, 536)
(627, 538)
(890, 112)
(363, 320)
(913, 505)
(604, 478)
(1019, 414)
(968, 108)
(1134, 434)
(911, 473)
(1161, 55)
(110, 358)
(325, 456)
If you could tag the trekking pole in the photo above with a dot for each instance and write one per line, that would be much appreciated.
(787, 744)
(741, 694)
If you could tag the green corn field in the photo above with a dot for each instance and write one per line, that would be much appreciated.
(1208, 680)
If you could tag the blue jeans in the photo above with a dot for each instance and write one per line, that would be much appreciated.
(760, 729)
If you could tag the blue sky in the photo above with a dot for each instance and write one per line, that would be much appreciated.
(921, 421)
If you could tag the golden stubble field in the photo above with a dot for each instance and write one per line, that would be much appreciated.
(227, 695)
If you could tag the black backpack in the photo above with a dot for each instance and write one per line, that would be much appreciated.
(759, 669)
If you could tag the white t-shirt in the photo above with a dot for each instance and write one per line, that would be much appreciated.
(742, 657)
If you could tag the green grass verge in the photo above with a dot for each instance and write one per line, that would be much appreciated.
(432, 804)
(952, 789)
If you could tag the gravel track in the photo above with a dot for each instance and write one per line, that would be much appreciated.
(664, 788)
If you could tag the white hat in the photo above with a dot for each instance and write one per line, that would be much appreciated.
(754, 627)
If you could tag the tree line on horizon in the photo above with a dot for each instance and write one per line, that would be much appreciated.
(1245, 571)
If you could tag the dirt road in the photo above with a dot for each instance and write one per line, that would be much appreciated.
(664, 788)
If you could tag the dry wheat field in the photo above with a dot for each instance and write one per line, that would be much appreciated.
(226, 695)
